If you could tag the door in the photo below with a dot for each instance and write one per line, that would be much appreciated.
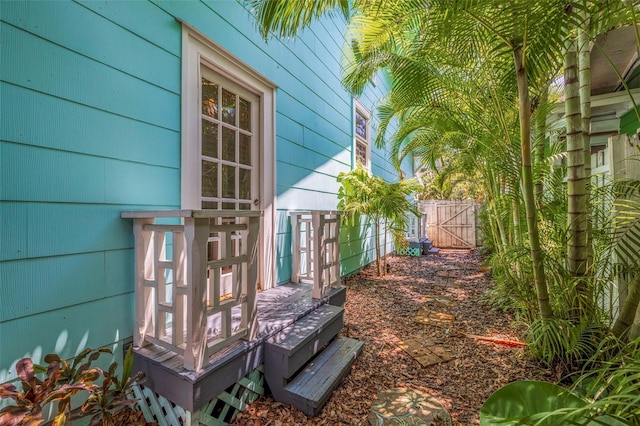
(229, 144)
(229, 160)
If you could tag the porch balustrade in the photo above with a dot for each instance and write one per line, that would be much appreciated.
(316, 250)
(196, 274)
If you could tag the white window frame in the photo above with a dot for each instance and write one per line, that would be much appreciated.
(359, 108)
(198, 49)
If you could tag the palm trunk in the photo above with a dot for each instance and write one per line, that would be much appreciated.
(524, 107)
(625, 320)
(541, 129)
(384, 256)
(377, 237)
(584, 75)
(576, 182)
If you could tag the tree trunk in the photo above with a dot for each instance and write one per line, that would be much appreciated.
(625, 319)
(576, 182)
(524, 107)
(377, 238)
(541, 138)
(584, 75)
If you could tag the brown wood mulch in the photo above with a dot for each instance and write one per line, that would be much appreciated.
(383, 313)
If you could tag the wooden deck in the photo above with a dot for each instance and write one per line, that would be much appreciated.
(277, 308)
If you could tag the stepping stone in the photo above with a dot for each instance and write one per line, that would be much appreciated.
(440, 300)
(403, 406)
(426, 351)
(425, 316)
(454, 273)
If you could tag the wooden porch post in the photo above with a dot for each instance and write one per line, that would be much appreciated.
(142, 241)
(196, 232)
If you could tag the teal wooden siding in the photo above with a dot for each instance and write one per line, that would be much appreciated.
(90, 126)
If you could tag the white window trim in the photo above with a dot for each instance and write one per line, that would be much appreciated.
(359, 106)
(196, 49)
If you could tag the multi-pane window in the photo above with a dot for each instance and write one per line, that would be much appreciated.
(227, 154)
(361, 135)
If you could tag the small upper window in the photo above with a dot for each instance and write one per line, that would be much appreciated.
(362, 129)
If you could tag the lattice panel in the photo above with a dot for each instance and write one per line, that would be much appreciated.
(227, 282)
(164, 285)
(219, 411)
(302, 236)
(316, 250)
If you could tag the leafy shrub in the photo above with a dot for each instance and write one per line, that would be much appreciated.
(62, 380)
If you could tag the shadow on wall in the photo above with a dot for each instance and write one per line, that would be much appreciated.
(64, 346)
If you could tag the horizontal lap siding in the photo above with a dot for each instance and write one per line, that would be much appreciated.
(90, 126)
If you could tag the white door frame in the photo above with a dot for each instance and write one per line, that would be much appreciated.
(197, 50)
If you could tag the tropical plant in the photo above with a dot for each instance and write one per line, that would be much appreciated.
(541, 404)
(386, 204)
(62, 380)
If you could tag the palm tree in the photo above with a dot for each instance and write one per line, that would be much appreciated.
(387, 205)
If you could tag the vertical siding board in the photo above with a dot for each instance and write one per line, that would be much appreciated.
(32, 286)
(97, 38)
(55, 70)
(96, 132)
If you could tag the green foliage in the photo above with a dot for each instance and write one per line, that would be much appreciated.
(541, 404)
(563, 344)
(386, 204)
(62, 380)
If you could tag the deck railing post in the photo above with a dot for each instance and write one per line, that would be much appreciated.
(318, 255)
(249, 284)
(142, 241)
(295, 241)
(196, 235)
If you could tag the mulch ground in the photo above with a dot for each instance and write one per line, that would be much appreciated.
(435, 298)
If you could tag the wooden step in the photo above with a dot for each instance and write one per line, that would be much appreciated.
(291, 349)
(310, 390)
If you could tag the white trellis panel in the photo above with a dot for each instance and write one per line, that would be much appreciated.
(316, 250)
(195, 280)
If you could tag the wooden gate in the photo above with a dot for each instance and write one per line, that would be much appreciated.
(450, 224)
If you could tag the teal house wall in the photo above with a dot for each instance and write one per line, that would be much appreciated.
(90, 126)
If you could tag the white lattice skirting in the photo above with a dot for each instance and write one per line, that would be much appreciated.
(219, 411)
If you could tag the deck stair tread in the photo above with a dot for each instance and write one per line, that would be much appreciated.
(305, 362)
(312, 387)
(288, 351)
(292, 338)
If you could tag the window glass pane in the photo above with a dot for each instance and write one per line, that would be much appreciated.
(228, 206)
(209, 179)
(245, 149)
(228, 181)
(245, 114)
(244, 181)
(209, 205)
(228, 107)
(228, 144)
(209, 139)
(361, 152)
(209, 98)
(245, 206)
(361, 125)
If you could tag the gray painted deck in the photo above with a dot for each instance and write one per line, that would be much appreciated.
(278, 308)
